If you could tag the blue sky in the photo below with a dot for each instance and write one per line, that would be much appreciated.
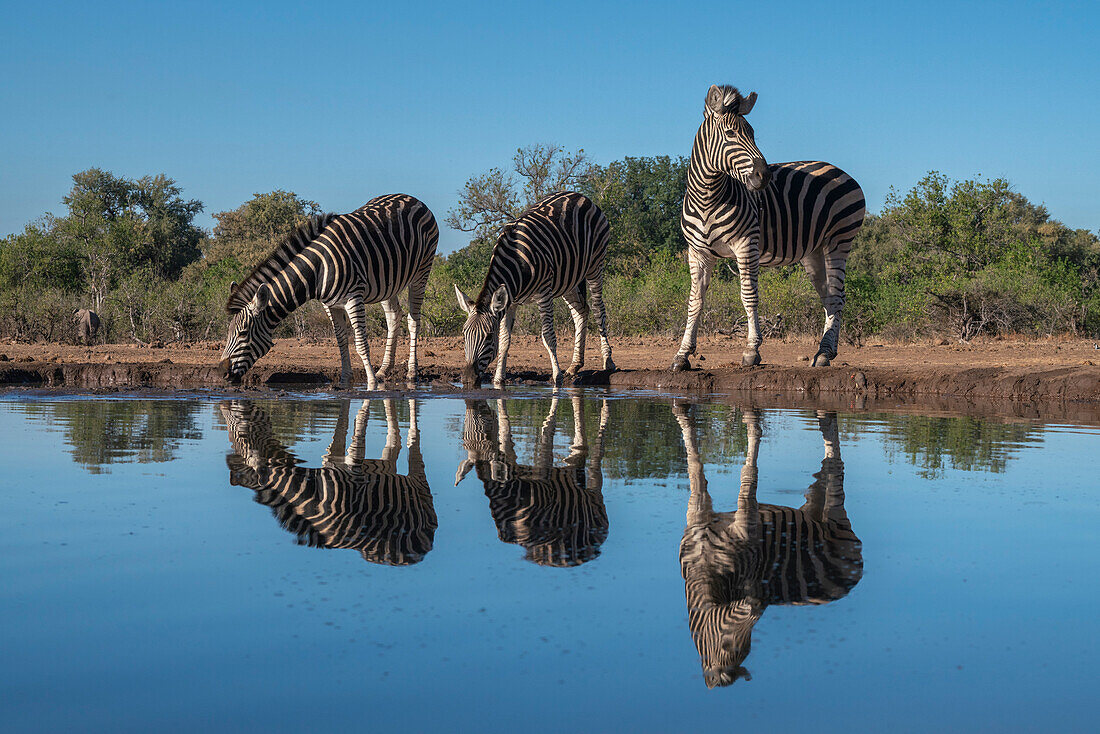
(340, 102)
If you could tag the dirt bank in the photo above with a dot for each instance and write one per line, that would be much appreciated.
(939, 376)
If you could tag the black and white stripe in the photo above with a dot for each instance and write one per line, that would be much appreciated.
(349, 502)
(735, 564)
(556, 513)
(737, 206)
(347, 262)
(553, 249)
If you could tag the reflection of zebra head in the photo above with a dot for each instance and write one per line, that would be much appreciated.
(556, 513)
(735, 564)
(349, 502)
(726, 141)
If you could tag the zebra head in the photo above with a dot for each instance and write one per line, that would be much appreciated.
(249, 335)
(480, 332)
(726, 140)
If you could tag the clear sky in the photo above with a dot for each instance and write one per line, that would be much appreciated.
(339, 102)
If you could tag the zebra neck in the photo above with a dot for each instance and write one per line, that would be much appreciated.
(508, 268)
(290, 288)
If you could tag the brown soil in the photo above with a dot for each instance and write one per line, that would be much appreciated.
(1034, 375)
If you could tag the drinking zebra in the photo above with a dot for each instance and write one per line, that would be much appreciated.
(737, 206)
(350, 502)
(345, 261)
(553, 249)
(556, 513)
(735, 564)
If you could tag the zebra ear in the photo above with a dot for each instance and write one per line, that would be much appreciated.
(464, 301)
(262, 297)
(233, 287)
(500, 301)
(747, 104)
(714, 98)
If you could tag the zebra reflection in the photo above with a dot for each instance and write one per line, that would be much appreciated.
(736, 564)
(556, 513)
(350, 502)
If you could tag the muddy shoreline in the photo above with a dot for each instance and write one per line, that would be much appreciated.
(1053, 393)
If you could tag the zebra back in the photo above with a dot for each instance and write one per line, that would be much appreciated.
(552, 247)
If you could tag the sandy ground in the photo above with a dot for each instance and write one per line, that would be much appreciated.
(650, 353)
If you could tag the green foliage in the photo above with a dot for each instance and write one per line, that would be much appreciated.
(250, 232)
(490, 200)
(641, 198)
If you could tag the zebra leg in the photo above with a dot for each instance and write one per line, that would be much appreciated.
(748, 266)
(392, 450)
(357, 312)
(339, 319)
(504, 337)
(836, 260)
(746, 521)
(337, 450)
(416, 299)
(546, 308)
(578, 307)
(358, 451)
(700, 264)
(814, 264)
(595, 292)
(700, 508)
(392, 307)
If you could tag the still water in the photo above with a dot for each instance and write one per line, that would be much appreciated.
(587, 561)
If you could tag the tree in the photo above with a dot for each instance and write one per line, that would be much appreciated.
(641, 198)
(117, 226)
(492, 199)
(250, 232)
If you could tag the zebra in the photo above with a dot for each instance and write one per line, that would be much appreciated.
(553, 249)
(350, 502)
(737, 206)
(556, 514)
(345, 261)
(735, 564)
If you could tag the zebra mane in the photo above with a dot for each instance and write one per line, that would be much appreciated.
(279, 258)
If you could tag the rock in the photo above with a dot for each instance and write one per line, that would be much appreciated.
(3, 358)
(942, 343)
(803, 358)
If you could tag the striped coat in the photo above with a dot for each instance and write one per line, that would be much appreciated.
(736, 564)
(555, 249)
(737, 206)
(349, 502)
(346, 262)
(556, 513)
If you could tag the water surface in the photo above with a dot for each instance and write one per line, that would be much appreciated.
(604, 562)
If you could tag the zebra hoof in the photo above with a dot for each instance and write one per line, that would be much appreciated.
(750, 358)
(681, 363)
(609, 366)
(820, 360)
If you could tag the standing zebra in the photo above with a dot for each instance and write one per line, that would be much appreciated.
(735, 564)
(553, 249)
(350, 502)
(345, 261)
(737, 206)
(556, 513)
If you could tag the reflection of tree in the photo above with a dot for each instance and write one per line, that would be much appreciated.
(556, 513)
(933, 444)
(103, 432)
(736, 564)
(350, 501)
